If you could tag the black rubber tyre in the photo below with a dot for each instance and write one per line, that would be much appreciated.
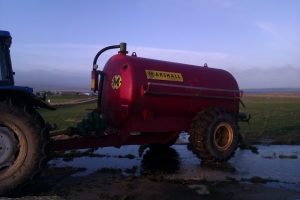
(214, 135)
(24, 145)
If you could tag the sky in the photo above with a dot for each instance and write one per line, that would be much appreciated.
(55, 41)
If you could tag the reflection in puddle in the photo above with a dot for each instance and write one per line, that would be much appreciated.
(160, 160)
(179, 162)
(286, 171)
(224, 167)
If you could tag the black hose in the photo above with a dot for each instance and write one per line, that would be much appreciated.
(122, 47)
(100, 88)
(102, 50)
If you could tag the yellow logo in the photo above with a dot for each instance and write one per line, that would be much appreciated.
(165, 76)
(116, 82)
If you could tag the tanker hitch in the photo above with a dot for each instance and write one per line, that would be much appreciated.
(94, 123)
(243, 117)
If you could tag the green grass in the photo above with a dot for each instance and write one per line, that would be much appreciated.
(271, 116)
(69, 115)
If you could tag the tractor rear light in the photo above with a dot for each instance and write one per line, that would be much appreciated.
(94, 81)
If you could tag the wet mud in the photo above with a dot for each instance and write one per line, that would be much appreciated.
(158, 172)
(274, 165)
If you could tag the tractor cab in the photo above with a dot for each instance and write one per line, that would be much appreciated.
(7, 86)
(6, 73)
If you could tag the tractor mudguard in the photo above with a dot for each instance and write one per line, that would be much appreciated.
(26, 95)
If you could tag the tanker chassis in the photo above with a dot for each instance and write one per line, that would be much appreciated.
(140, 101)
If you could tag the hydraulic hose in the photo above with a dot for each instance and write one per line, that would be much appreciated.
(102, 50)
(122, 47)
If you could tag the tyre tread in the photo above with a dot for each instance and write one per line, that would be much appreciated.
(40, 137)
(198, 133)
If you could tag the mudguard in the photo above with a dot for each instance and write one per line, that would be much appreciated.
(26, 95)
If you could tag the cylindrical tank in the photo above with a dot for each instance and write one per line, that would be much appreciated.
(148, 89)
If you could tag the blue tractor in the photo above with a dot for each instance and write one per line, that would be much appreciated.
(24, 138)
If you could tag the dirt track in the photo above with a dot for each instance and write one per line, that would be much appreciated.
(73, 102)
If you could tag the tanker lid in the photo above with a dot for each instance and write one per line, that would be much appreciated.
(4, 33)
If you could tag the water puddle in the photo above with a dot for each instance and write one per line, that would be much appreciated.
(272, 163)
(110, 158)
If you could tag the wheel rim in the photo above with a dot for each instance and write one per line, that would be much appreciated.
(8, 147)
(223, 136)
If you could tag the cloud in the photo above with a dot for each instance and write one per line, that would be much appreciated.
(78, 57)
(267, 27)
(274, 77)
(75, 60)
(68, 57)
(213, 59)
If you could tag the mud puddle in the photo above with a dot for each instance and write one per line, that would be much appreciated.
(275, 165)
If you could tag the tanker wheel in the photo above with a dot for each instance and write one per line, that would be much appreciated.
(214, 135)
(24, 145)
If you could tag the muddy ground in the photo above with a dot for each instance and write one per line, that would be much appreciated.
(113, 185)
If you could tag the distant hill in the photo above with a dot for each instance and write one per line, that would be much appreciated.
(271, 90)
(44, 80)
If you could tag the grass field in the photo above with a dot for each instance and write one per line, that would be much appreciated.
(68, 115)
(273, 116)
(65, 98)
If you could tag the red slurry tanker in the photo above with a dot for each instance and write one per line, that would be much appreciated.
(140, 101)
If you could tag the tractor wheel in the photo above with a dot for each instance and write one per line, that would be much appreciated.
(24, 145)
(214, 135)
